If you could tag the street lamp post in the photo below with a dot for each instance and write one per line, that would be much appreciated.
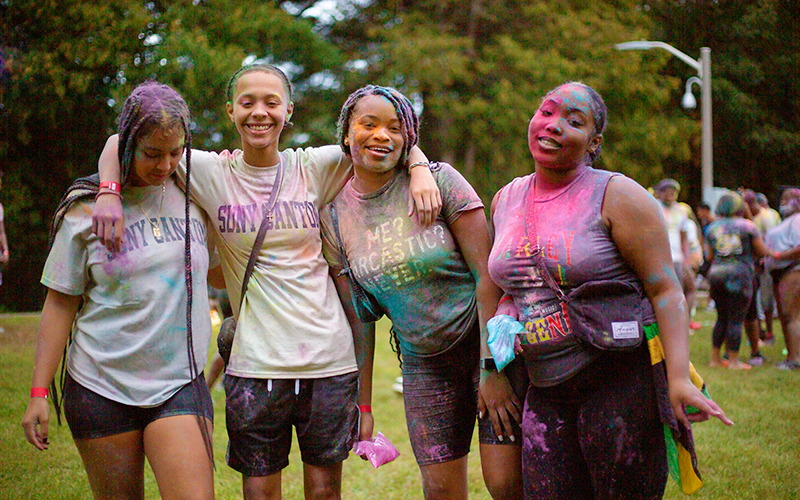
(703, 68)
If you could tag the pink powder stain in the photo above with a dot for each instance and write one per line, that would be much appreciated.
(303, 351)
(534, 433)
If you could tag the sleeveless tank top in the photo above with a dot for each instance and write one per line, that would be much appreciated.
(576, 247)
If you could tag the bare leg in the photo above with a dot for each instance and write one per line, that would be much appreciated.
(445, 481)
(177, 454)
(115, 465)
(752, 329)
(322, 483)
(788, 297)
(502, 471)
(262, 487)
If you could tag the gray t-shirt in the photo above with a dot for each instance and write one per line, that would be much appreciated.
(417, 274)
(129, 338)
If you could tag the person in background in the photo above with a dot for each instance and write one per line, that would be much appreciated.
(677, 221)
(734, 245)
(765, 219)
(591, 424)
(131, 391)
(785, 271)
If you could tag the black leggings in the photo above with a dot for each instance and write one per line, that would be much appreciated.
(732, 294)
(596, 436)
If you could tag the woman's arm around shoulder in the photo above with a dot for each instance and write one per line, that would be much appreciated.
(637, 228)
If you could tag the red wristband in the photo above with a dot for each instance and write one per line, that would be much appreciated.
(114, 186)
(505, 298)
(40, 392)
(365, 408)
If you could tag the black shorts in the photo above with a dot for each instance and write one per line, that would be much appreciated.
(90, 415)
(260, 414)
(440, 393)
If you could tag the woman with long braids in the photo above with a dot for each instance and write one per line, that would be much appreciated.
(133, 386)
(591, 421)
(292, 363)
(431, 281)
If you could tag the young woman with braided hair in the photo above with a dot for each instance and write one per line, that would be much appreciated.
(133, 386)
(292, 363)
(431, 281)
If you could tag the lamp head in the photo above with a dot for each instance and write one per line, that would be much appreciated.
(688, 101)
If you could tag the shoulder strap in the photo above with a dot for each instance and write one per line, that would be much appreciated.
(262, 229)
(335, 220)
(536, 250)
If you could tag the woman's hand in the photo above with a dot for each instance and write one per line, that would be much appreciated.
(108, 221)
(36, 423)
(496, 397)
(366, 427)
(683, 393)
(424, 196)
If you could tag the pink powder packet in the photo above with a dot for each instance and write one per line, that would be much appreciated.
(378, 450)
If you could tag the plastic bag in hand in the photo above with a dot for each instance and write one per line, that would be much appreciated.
(378, 450)
(502, 331)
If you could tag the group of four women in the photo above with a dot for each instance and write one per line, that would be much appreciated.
(565, 420)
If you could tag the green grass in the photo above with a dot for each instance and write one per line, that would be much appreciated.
(755, 459)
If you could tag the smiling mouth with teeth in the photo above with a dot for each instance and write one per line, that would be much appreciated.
(546, 141)
(258, 127)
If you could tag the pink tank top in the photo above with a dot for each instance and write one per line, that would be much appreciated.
(576, 248)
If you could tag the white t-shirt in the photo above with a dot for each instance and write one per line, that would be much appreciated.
(782, 237)
(677, 222)
(292, 324)
(129, 338)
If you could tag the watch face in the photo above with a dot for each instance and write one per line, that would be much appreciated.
(488, 364)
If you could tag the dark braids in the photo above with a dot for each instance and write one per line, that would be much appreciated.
(149, 107)
(405, 113)
(409, 124)
(599, 113)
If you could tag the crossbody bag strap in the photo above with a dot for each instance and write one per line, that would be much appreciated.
(262, 229)
(536, 250)
(335, 220)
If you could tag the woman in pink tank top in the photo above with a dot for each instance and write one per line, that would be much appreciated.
(591, 425)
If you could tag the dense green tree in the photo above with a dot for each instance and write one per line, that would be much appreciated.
(481, 67)
(755, 53)
(68, 65)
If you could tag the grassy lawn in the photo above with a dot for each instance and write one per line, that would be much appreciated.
(757, 458)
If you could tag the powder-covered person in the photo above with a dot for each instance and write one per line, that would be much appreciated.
(431, 281)
(134, 386)
(292, 364)
(591, 423)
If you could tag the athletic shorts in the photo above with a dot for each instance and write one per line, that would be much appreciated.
(440, 393)
(260, 414)
(517, 376)
(91, 416)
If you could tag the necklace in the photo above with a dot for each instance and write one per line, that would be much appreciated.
(156, 229)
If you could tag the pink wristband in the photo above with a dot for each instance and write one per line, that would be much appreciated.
(40, 392)
(114, 186)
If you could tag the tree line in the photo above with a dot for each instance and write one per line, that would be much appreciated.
(476, 70)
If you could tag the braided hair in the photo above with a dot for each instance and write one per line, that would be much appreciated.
(409, 121)
(409, 124)
(149, 107)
